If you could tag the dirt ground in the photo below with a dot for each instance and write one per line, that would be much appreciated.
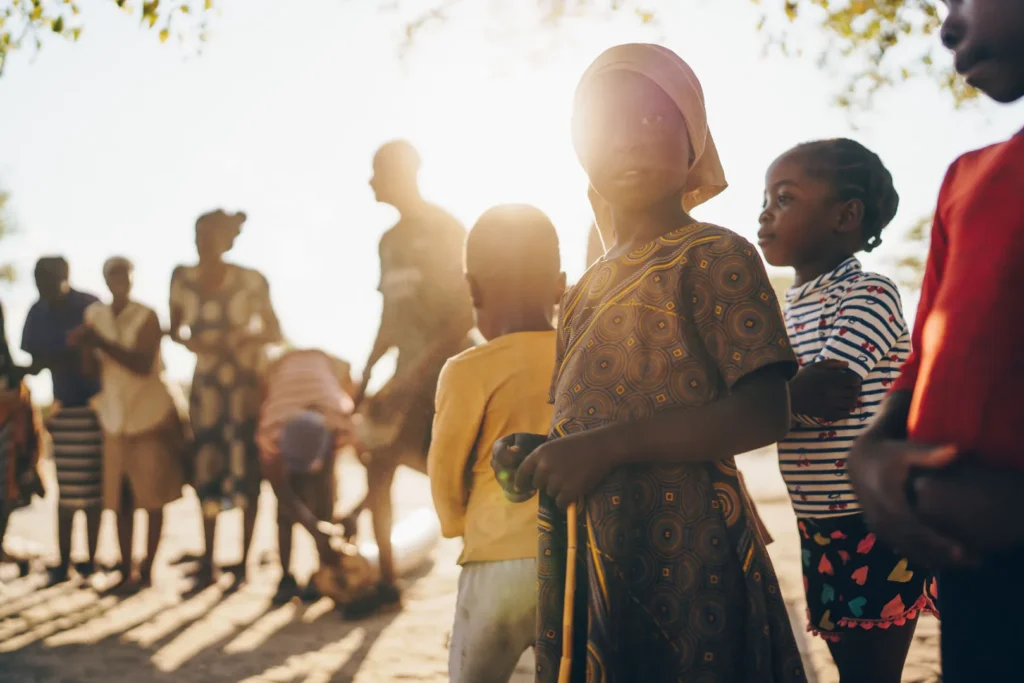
(72, 634)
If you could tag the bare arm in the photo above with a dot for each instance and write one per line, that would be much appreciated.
(754, 414)
(140, 359)
(274, 471)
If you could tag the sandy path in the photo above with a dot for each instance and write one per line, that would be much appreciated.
(71, 635)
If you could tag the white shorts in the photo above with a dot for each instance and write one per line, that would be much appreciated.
(495, 620)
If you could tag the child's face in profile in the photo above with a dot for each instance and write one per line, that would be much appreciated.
(987, 41)
(800, 217)
(633, 143)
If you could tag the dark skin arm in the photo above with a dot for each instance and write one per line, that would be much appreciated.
(571, 467)
(825, 390)
(276, 474)
(384, 342)
(139, 360)
(880, 465)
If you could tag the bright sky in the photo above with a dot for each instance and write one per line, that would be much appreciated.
(117, 143)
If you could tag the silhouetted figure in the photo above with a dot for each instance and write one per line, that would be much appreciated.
(427, 316)
(227, 311)
(19, 442)
(143, 434)
(73, 424)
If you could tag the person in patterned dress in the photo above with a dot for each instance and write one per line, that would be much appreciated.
(672, 357)
(222, 312)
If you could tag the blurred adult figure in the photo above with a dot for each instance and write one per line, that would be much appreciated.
(19, 442)
(73, 425)
(144, 439)
(427, 316)
(222, 312)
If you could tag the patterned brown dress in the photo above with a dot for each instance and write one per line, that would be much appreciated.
(673, 581)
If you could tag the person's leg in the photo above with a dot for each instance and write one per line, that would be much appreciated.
(5, 514)
(381, 475)
(93, 517)
(981, 627)
(873, 656)
(65, 525)
(288, 588)
(126, 528)
(204, 576)
(248, 529)
(154, 534)
(495, 620)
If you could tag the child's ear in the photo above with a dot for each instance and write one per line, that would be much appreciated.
(474, 291)
(851, 215)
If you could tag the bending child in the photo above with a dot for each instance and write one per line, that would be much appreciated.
(500, 387)
(825, 201)
(305, 419)
(672, 359)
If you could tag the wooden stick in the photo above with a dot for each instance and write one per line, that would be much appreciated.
(565, 666)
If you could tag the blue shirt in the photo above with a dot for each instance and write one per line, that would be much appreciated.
(46, 331)
(855, 316)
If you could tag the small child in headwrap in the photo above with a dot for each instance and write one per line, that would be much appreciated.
(305, 419)
(672, 358)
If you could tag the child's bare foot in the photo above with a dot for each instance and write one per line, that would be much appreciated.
(239, 571)
(286, 590)
(203, 576)
(56, 575)
(310, 593)
(86, 569)
(146, 573)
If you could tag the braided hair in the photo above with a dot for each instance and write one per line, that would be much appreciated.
(856, 173)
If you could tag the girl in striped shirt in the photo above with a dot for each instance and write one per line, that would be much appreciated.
(825, 201)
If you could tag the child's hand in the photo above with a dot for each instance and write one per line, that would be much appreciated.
(827, 390)
(879, 471)
(507, 455)
(567, 468)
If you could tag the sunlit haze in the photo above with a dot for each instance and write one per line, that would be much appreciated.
(117, 143)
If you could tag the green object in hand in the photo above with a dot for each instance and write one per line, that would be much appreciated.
(507, 455)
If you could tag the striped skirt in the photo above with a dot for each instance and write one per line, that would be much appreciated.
(78, 454)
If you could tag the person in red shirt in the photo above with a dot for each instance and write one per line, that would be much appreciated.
(940, 474)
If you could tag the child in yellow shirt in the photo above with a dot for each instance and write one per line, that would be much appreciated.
(514, 272)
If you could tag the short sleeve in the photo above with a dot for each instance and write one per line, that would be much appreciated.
(734, 308)
(869, 324)
(460, 408)
(561, 343)
(32, 335)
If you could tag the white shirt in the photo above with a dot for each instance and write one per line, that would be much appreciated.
(128, 403)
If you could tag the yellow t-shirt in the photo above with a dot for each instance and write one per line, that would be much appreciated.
(483, 394)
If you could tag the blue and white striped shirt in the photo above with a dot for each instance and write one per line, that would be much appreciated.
(854, 316)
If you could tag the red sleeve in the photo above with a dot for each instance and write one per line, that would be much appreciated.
(934, 268)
